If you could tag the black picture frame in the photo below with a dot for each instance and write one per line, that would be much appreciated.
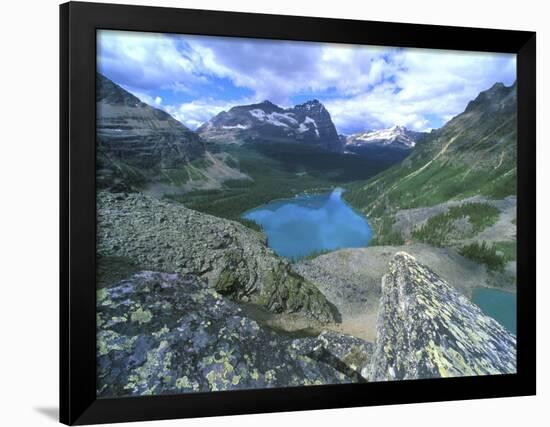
(78, 25)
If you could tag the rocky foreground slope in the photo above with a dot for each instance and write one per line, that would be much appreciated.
(166, 333)
(170, 333)
(229, 257)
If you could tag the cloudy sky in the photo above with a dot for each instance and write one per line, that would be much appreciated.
(363, 87)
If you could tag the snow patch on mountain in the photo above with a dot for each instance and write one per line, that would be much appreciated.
(239, 126)
(257, 113)
(274, 118)
(305, 128)
(281, 119)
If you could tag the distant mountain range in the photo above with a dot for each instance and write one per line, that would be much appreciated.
(136, 140)
(395, 142)
(138, 144)
(309, 124)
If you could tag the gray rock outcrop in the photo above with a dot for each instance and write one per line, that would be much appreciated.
(426, 329)
(229, 257)
(162, 333)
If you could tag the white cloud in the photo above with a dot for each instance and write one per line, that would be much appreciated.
(158, 100)
(425, 86)
(147, 61)
(277, 70)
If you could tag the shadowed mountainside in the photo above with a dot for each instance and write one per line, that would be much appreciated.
(136, 141)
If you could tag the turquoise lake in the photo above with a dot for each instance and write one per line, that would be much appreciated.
(305, 225)
(500, 305)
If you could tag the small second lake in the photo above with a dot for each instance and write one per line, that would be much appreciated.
(306, 225)
(500, 305)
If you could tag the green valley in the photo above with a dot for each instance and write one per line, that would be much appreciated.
(274, 172)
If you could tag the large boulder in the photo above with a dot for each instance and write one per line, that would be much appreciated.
(427, 329)
(162, 333)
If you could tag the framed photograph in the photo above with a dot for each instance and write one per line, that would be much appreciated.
(268, 213)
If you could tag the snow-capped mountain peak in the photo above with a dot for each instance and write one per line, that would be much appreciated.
(305, 124)
(395, 136)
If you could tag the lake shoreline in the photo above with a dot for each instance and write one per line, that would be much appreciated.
(297, 228)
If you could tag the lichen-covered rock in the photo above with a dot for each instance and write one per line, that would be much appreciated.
(426, 329)
(161, 333)
(230, 257)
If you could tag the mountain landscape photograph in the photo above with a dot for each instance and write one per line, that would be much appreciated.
(282, 213)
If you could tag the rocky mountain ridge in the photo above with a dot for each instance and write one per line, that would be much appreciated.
(135, 140)
(398, 137)
(309, 124)
(484, 135)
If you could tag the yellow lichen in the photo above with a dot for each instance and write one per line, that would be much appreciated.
(141, 316)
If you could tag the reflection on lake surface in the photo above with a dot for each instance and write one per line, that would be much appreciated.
(305, 225)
